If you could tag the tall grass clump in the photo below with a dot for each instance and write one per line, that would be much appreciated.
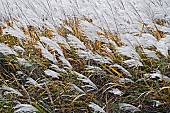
(84, 56)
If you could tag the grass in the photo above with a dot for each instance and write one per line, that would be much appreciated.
(58, 95)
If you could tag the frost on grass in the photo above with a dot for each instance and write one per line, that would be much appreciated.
(101, 59)
(96, 107)
(128, 107)
(25, 108)
(88, 67)
(68, 28)
(130, 40)
(6, 50)
(166, 40)
(156, 103)
(55, 47)
(148, 40)
(94, 69)
(134, 21)
(162, 48)
(108, 15)
(18, 73)
(8, 90)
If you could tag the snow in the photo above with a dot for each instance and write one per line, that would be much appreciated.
(150, 53)
(96, 107)
(77, 88)
(24, 62)
(125, 80)
(75, 42)
(132, 20)
(61, 40)
(9, 90)
(122, 16)
(129, 52)
(110, 14)
(123, 70)
(157, 75)
(133, 62)
(56, 68)
(23, 108)
(46, 53)
(65, 62)
(88, 54)
(15, 31)
(18, 48)
(52, 73)
(6, 50)
(128, 107)
(52, 44)
(115, 91)
(84, 79)
(33, 82)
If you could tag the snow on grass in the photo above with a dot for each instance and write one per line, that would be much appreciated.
(96, 107)
(111, 15)
(9, 90)
(86, 80)
(133, 62)
(46, 53)
(123, 70)
(128, 107)
(120, 33)
(129, 52)
(15, 31)
(52, 44)
(23, 62)
(115, 91)
(22, 108)
(33, 82)
(75, 42)
(6, 50)
(52, 73)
